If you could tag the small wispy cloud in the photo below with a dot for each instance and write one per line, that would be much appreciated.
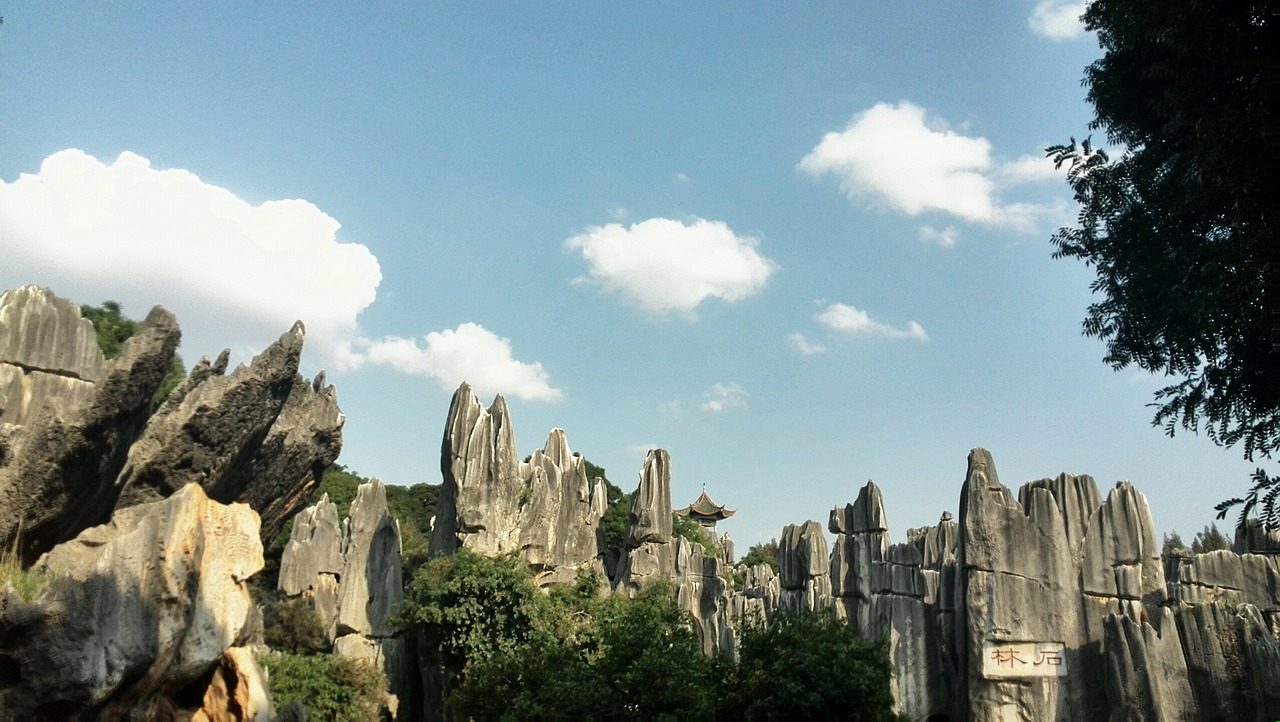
(850, 321)
(945, 238)
(1057, 20)
(801, 343)
(723, 397)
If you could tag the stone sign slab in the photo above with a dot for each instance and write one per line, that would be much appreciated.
(1023, 659)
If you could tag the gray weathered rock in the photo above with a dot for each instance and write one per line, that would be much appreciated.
(804, 567)
(479, 505)
(141, 607)
(49, 355)
(212, 435)
(61, 465)
(371, 578)
(560, 524)
(650, 550)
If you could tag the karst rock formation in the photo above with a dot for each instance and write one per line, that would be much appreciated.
(148, 523)
(1052, 604)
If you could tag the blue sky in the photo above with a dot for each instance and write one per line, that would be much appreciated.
(798, 246)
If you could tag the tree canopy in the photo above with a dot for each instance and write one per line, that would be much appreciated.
(1180, 222)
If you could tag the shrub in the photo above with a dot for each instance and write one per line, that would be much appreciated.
(330, 688)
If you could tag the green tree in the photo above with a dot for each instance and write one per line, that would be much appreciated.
(690, 530)
(762, 553)
(617, 508)
(330, 688)
(810, 665)
(1210, 540)
(111, 325)
(293, 626)
(1172, 543)
(1180, 222)
(113, 328)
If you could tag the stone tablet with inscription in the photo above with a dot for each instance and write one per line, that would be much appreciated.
(1023, 659)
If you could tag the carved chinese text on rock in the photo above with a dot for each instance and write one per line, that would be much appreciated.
(1023, 659)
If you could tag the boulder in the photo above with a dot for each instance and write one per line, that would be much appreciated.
(139, 609)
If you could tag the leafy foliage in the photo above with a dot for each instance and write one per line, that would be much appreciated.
(1210, 540)
(617, 511)
(293, 625)
(1180, 225)
(1261, 498)
(515, 653)
(762, 553)
(329, 687)
(113, 328)
(1172, 544)
(111, 325)
(811, 666)
(690, 530)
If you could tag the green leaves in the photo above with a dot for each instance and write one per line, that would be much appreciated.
(1180, 222)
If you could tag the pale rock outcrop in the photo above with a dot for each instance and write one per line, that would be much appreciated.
(61, 464)
(650, 551)
(371, 581)
(892, 591)
(238, 691)
(702, 591)
(49, 355)
(560, 528)
(354, 582)
(479, 505)
(140, 609)
(804, 572)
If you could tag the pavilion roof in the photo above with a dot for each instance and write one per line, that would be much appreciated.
(705, 508)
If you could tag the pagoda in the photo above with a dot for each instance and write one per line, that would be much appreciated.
(705, 511)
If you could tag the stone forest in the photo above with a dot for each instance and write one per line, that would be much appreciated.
(133, 532)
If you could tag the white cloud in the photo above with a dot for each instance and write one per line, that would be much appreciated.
(1029, 169)
(468, 353)
(723, 397)
(806, 347)
(680, 178)
(915, 164)
(1057, 20)
(945, 238)
(852, 322)
(663, 265)
(235, 274)
(129, 232)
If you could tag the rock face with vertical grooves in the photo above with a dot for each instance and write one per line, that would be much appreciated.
(140, 608)
(650, 551)
(804, 568)
(492, 503)
(479, 506)
(58, 472)
(560, 530)
(49, 355)
(354, 582)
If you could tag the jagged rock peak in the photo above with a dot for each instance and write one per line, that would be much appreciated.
(865, 514)
(482, 485)
(314, 548)
(63, 462)
(40, 331)
(651, 508)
